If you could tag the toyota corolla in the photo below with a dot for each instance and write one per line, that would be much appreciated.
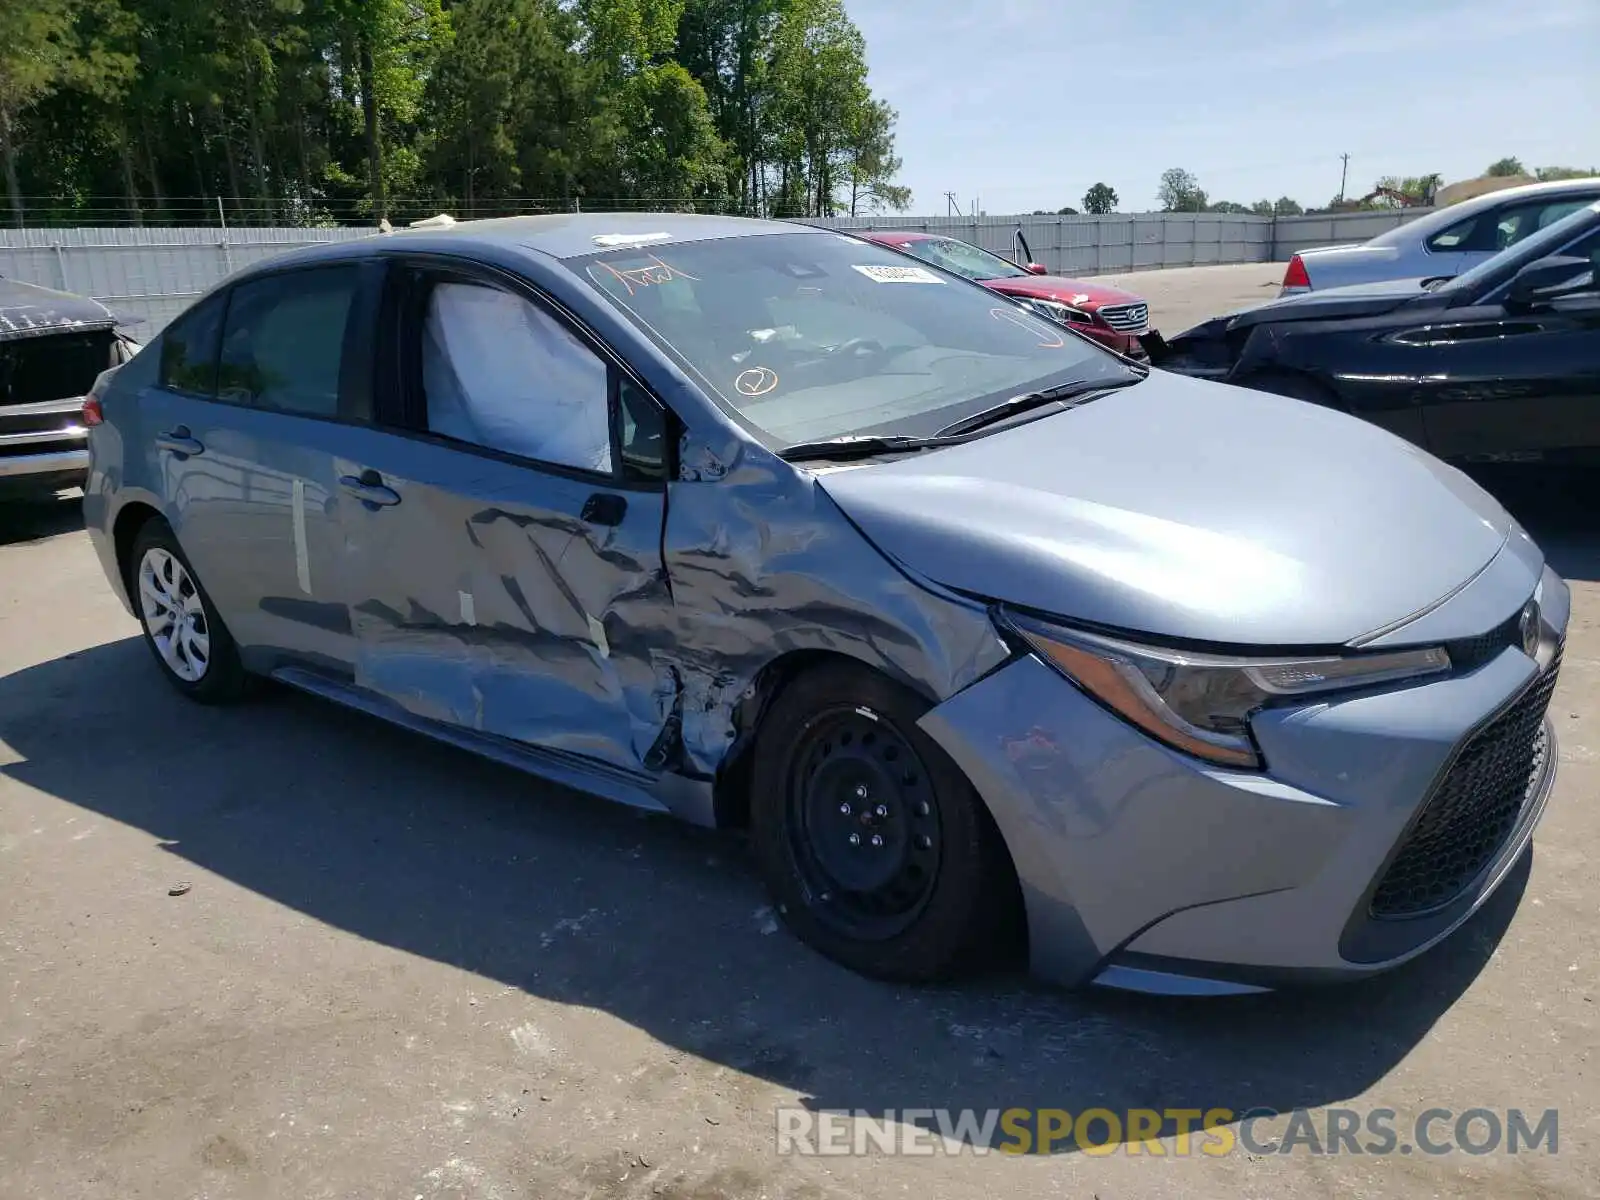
(974, 625)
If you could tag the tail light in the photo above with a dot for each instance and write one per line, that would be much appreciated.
(92, 413)
(1296, 276)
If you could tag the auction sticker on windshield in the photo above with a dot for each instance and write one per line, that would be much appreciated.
(880, 274)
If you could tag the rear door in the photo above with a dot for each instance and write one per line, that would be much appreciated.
(256, 390)
(504, 529)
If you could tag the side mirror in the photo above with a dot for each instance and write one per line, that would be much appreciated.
(1542, 276)
(1038, 269)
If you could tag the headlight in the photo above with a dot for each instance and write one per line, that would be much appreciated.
(1057, 311)
(1202, 703)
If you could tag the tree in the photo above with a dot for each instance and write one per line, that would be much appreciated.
(1180, 191)
(1066, 210)
(1550, 174)
(872, 160)
(1100, 199)
(302, 109)
(1286, 206)
(1506, 166)
(37, 50)
(1226, 206)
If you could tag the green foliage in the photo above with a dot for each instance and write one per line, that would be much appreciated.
(1226, 206)
(308, 111)
(1180, 191)
(1100, 199)
(1552, 174)
(1506, 166)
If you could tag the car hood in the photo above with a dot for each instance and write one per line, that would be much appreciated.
(1358, 300)
(1185, 509)
(1077, 292)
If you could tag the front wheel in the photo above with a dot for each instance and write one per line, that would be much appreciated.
(876, 849)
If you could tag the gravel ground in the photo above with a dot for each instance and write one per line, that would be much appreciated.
(396, 971)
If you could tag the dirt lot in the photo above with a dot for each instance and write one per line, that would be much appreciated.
(401, 972)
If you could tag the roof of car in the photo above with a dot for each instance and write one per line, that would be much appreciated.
(570, 235)
(898, 235)
(28, 310)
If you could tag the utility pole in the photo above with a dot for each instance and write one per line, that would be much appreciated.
(1344, 175)
(950, 205)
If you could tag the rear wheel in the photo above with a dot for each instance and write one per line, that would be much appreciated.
(876, 849)
(187, 637)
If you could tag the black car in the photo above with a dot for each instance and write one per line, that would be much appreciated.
(1500, 364)
(53, 345)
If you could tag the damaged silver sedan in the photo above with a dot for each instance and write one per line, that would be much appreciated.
(977, 626)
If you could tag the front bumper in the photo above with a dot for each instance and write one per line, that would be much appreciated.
(1141, 867)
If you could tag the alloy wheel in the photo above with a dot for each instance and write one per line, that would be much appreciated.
(174, 615)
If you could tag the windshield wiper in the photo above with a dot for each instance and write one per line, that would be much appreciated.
(1082, 392)
(857, 445)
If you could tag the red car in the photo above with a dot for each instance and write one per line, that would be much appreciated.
(1109, 315)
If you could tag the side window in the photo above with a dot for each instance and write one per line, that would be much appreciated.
(642, 433)
(284, 341)
(500, 372)
(189, 349)
(1554, 211)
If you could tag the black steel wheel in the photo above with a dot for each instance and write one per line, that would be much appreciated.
(863, 823)
(875, 847)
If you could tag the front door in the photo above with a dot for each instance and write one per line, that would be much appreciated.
(504, 532)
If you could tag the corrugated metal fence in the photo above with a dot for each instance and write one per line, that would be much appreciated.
(154, 272)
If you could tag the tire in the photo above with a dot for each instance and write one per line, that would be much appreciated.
(932, 898)
(160, 582)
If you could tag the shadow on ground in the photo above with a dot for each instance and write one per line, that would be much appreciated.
(1559, 507)
(429, 850)
(34, 520)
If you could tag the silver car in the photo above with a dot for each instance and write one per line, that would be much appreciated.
(1444, 243)
(978, 628)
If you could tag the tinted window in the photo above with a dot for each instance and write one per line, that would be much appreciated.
(189, 349)
(815, 335)
(285, 341)
(500, 372)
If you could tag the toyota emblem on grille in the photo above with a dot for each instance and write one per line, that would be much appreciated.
(1528, 628)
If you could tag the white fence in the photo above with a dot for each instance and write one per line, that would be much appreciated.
(153, 273)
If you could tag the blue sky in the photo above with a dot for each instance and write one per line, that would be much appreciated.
(1025, 103)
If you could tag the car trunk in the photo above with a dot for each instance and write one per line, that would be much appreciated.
(43, 378)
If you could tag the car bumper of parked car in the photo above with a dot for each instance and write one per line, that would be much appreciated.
(1123, 343)
(1374, 831)
(40, 472)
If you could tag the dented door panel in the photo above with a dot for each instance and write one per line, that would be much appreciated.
(764, 564)
(484, 599)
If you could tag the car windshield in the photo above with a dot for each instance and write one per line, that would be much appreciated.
(961, 257)
(811, 336)
(1547, 241)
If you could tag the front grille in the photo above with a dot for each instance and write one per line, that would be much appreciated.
(1468, 654)
(1473, 810)
(1126, 318)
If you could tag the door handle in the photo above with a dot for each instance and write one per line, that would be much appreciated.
(180, 442)
(369, 488)
(604, 508)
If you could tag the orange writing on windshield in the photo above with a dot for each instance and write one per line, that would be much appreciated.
(653, 272)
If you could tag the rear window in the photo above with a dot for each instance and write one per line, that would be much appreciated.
(55, 367)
